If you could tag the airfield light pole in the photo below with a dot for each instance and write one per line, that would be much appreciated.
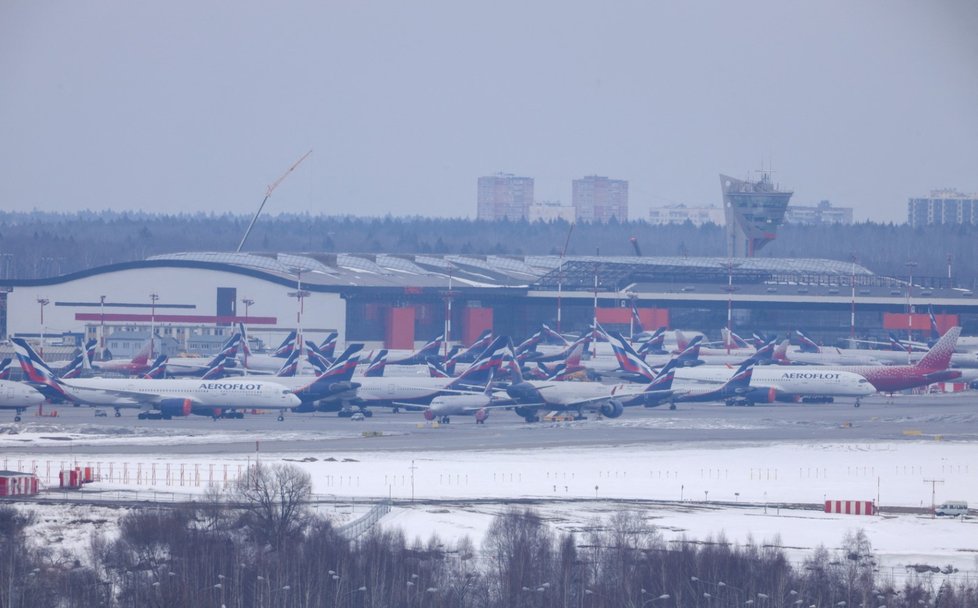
(300, 295)
(852, 312)
(43, 302)
(933, 492)
(247, 302)
(730, 266)
(594, 325)
(152, 323)
(101, 329)
(910, 266)
(448, 312)
(949, 259)
(560, 273)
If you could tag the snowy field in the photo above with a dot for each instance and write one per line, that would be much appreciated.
(744, 491)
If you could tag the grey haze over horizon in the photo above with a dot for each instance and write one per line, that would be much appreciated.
(185, 106)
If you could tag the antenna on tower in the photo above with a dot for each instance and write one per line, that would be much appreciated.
(268, 193)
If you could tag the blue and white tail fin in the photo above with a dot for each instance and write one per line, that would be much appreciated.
(546, 332)
(528, 345)
(291, 365)
(476, 348)
(452, 359)
(741, 378)
(245, 345)
(216, 368)
(377, 364)
(327, 347)
(637, 321)
(36, 371)
(663, 380)
(89, 353)
(340, 371)
(287, 346)
(156, 370)
(5, 368)
(490, 359)
(935, 332)
(436, 370)
(691, 353)
(629, 361)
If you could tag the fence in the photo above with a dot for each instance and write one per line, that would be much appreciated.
(355, 529)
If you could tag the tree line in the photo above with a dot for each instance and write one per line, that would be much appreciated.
(40, 244)
(262, 546)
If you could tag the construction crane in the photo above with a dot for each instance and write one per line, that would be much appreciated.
(634, 241)
(268, 194)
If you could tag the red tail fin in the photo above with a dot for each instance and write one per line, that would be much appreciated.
(938, 358)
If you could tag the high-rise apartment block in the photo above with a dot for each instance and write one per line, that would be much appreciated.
(943, 207)
(504, 196)
(598, 199)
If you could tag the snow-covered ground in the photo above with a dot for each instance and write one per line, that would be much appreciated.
(685, 489)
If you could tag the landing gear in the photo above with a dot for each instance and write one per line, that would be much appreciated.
(396, 409)
(117, 413)
(444, 420)
(17, 418)
(672, 405)
(531, 418)
(858, 402)
(280, 418)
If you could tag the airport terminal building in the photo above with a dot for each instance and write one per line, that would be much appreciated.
(399, 300)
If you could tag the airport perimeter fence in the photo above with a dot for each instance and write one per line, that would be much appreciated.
(358, 527)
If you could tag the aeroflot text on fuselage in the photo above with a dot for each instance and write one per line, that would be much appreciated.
(219, 386)
(809, 376)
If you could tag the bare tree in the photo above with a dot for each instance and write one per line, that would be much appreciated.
(275, 502)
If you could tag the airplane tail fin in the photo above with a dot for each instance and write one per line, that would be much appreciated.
(938, 358)
(766, 352)
(629, 360)
(340, 371)
(663, 380)
(215, 369)
(780, 352)
(245, 346)
(430, 349)
(74, 367)
(35, 369)
(681, 342)
(377, 365)
(89, 353)
(637, 320)
(530, 344)
(480, 344)
(327, 347)
(156, 371)
(692, 350)
(512, 364)
(453, 357)
(741, 378)
(547, 332)
(491, 358)
(287, 346)
(142, 357)
(935, 332)
(807, 344)
(291, 365)
(5, 368)
(436, 370)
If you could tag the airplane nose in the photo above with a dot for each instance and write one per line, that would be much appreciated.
(294, 400)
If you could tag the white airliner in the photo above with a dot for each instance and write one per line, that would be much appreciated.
(161, 398)
(771, 383)
(18, 397)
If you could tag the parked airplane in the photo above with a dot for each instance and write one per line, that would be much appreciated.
(18, 396)
(158, 398)
(406, 392)
(767, 384)
(534, 396)
(197, 366)
(932, 367)
(268, 364)
(475, 349)
(138, 364)
(443, 407)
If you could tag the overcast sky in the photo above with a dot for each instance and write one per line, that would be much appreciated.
(189, 105)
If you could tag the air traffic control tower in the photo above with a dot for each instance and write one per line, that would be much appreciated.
(754, 210)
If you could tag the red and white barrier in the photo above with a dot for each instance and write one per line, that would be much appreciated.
(850, 507)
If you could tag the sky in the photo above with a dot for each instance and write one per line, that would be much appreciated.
(186, 106)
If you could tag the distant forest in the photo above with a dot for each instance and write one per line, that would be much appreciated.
(40, 244)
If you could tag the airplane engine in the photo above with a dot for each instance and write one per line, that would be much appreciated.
(481, 415)
(176, 407)
(429, 414)
(524, 392)
(612, 409)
